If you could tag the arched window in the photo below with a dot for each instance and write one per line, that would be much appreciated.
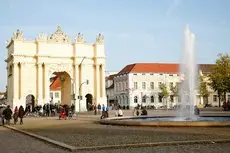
(143, 99)
(135, 99)
(152, 99)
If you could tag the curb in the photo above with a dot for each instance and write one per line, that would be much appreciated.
(44, 139)
(154, 144)
(122, 146)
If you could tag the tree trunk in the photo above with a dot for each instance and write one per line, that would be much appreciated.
(219, 101)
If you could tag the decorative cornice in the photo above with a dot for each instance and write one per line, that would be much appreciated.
(59, 36)
(99, 39)
(42, 37)
(18, 35)
(80, 38)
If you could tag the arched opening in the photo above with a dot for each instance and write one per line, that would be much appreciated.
(60, 89)
(89, 102)
(30, 102)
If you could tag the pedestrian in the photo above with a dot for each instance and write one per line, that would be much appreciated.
(1, 114)
(15, 115)
(99, 108)
(7, 114)
(21, 114)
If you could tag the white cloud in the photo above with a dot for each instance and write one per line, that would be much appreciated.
(173, 6)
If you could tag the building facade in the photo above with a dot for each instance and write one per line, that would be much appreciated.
(140, 84)
(55, 90)
(80, 66)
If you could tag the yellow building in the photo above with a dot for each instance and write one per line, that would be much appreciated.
(80, 66)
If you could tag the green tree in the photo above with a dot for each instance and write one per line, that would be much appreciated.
(220, 76)
(164, 92)
(203, 89)
(175, 90)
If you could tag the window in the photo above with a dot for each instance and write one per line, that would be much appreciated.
(151, 73)
(171, 85)
(215, 98)
(170, 74)
(134, 74)
(143, 73)
(161, 74)
(143, 99)
(160, 97)
(152, 99)
(135, 85)
(152, 85)
(56, 94)
(135, 99)
(178, 84)
(143, 85)
(171, 98)
(51, 95)
(159, 84)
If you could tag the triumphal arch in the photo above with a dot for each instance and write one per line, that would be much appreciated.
(31, 63)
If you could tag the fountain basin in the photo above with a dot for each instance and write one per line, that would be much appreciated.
(168, 121)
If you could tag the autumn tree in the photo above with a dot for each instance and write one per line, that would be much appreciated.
(203, 89)
(175, 90)
(220, 76)
(164, 92)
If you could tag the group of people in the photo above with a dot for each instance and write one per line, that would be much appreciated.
(226, 105)
(7, 114)
(139, 107)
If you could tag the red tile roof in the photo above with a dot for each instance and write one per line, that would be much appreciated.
(159, 68)
(56, 84)
(110, 77)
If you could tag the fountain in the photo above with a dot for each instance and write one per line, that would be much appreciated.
(185, 114)
(189, 77)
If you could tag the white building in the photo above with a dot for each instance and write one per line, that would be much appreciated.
(109, 85)
(55, 90)
(139, 84)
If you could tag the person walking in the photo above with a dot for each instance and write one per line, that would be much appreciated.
(1, 114)
(8, 114)
(21, 114)
(15, 116)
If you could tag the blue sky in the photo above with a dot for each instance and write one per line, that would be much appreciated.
(134, 30)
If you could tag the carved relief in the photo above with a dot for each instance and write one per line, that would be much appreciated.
(100, 39)
(60, 68)
(59, 36)
(18, 35)
(80, 38)
(42, 37)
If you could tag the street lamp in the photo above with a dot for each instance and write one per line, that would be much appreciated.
(80, 97)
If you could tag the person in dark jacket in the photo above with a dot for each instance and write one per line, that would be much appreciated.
(144, 112)
(21, 114)
(8, 114)
(15, 115)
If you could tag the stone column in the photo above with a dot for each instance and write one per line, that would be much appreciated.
(102, 81)
(22, 91)
(76, 85)
(39, 84)
(97, 83)
(15, 81)
(46, 84)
